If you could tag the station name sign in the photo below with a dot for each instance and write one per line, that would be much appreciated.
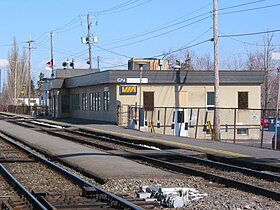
(128, 89)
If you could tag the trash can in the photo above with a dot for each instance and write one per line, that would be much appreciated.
(277, 139)
(271, 126)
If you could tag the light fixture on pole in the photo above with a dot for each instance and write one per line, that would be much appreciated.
(141, 111)
(177, 69)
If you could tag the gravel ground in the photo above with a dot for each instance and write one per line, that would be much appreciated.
(218, 197)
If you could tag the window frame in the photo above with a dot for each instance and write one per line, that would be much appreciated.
(148, 105)
(242, 104)
(239, 131)
(210, 107)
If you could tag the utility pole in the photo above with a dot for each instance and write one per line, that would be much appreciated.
(29, 68)
(51, 40)
(216, 135)
(89, 41)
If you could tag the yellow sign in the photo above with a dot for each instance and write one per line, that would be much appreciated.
(128, 89)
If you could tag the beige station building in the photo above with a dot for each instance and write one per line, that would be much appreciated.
(173, 102)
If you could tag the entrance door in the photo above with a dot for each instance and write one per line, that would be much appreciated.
(181, 122)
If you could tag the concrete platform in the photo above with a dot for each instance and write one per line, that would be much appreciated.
(222, 149)
(100, 164)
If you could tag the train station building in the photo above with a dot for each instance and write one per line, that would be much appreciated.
(175, 102)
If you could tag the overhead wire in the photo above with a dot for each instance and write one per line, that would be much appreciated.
(110, 51)
(160, 29)
(241, 5)
(129, 8)
(158, 35)
(118, 6)
(250, 9)
(184, 48)
(250, 34)
(177, 23)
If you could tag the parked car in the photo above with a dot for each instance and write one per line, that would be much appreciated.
(265, 122)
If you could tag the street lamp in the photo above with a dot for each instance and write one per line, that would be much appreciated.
(141, 111)
(177, 69)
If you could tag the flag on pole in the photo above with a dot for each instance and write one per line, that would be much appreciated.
(50, 63)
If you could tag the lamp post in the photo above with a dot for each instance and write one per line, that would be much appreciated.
(141, 111)
(177, 69)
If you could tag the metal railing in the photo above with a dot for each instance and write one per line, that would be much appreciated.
(237, 125)
(25, 109)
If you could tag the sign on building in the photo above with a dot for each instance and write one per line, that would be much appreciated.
(128, 89)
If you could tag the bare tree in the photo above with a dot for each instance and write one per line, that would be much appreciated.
(233, 63)
(17, 73)
(203, 62)
(261, 60)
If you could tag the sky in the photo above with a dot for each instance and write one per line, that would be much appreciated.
(132, 28)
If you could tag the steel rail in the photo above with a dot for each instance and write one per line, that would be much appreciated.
(225, 181)
(212, 177)
(219, 179)
(14, 183)
(215, 164)
(81, 182)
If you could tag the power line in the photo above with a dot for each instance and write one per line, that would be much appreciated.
(112, 51)
(249, 43)
(251, 9)
(184, 48)
(162, 26)
(250, 34)
(129, 8)
(118, 6)
(241, 5)
(158, 35)
(70, 23)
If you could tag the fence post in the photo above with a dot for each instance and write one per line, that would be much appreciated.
(196, 123)
(262, 126)
(234, 126)
(164, 120)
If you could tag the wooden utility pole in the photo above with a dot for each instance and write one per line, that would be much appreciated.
(89, 41)
(29, 68)
(216, 135)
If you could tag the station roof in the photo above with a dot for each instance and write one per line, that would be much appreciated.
(166, 77)
(163, 77)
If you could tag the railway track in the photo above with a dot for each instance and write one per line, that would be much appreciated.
(9, 198)
(258, 182)
(45, 185)
(249, 180)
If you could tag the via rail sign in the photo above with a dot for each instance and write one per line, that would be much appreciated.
(128, 89)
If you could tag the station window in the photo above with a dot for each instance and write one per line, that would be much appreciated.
(243, 131)
(106, 97)
(65, 104)
(84, 101)
(148, 101)
(75, 101)
(97, 101)
(210, 100)
(92, 102)
(243, 100)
